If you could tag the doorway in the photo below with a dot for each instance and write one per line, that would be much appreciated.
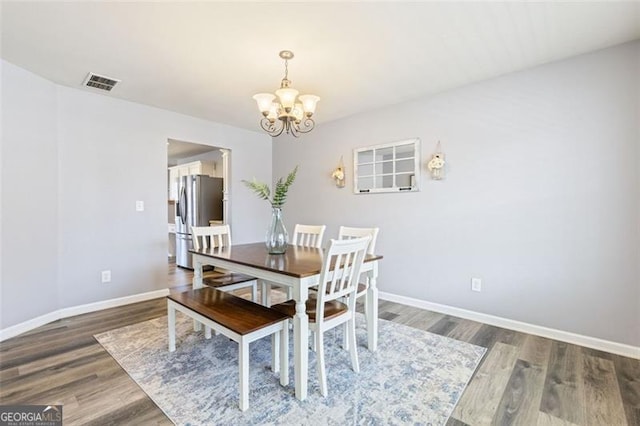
(184, 160)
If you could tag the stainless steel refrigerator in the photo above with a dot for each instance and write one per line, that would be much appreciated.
(199, 201)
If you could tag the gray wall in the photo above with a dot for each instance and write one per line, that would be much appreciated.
(541, 200)
(73, 165)
(29, 193)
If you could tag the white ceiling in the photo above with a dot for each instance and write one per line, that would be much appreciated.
(207, 59)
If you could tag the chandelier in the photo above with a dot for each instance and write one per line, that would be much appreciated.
(290, 113)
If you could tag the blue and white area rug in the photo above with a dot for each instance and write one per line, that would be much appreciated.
(414, 377)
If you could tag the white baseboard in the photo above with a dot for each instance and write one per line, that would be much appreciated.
(564, 336)
(23, 327)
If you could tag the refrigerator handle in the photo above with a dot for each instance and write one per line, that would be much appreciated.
(182, 205)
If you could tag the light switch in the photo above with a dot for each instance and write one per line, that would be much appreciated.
(139, 206)
(476, 284)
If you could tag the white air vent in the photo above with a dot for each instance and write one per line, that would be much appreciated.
(100, 82)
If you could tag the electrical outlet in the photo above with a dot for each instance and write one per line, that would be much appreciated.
(476, 284)
(106, 276)
(139, 206)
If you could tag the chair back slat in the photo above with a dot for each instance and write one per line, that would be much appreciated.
(345, 257)
(347, 232)
(206, 237)
(308, 235)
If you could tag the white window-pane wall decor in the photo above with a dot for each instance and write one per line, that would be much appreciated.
(391, 167)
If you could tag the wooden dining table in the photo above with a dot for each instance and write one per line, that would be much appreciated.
(299, 269)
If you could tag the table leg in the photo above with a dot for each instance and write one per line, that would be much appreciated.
(301, 342)
(372, 310)
(197, 283)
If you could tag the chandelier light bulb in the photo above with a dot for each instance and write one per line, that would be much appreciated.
(287, 97)
(309, 103)
(273, 111)
(264, 101)
(298, 112)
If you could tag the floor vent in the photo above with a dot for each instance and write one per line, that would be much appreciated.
(100, 82)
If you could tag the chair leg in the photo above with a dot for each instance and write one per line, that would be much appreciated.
(366, 306)
(171, 314)
(322, 375)
(266, 293)
(345, 336)
(275, 352)
(207, 332)
(243, 364)
(353, 350)
(284, 354)
(254, 292)
(313, 341)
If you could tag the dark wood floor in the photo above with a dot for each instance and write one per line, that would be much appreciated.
(523, 379)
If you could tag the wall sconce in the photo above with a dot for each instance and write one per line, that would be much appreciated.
(437, 163)
(338, 174)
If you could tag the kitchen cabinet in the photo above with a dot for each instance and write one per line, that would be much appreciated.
(194, 168)
(174, 174)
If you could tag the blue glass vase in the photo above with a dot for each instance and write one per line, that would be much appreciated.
(277, 236)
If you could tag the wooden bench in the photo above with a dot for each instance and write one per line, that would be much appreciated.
(240, 320)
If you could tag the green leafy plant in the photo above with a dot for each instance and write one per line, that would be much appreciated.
(263, 191)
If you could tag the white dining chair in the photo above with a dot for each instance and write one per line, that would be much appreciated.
(308, 235)
(303, 236)
(334, 303)
(345, 233)
(220, 236)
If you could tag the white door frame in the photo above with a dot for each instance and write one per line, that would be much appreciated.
(226, 217)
